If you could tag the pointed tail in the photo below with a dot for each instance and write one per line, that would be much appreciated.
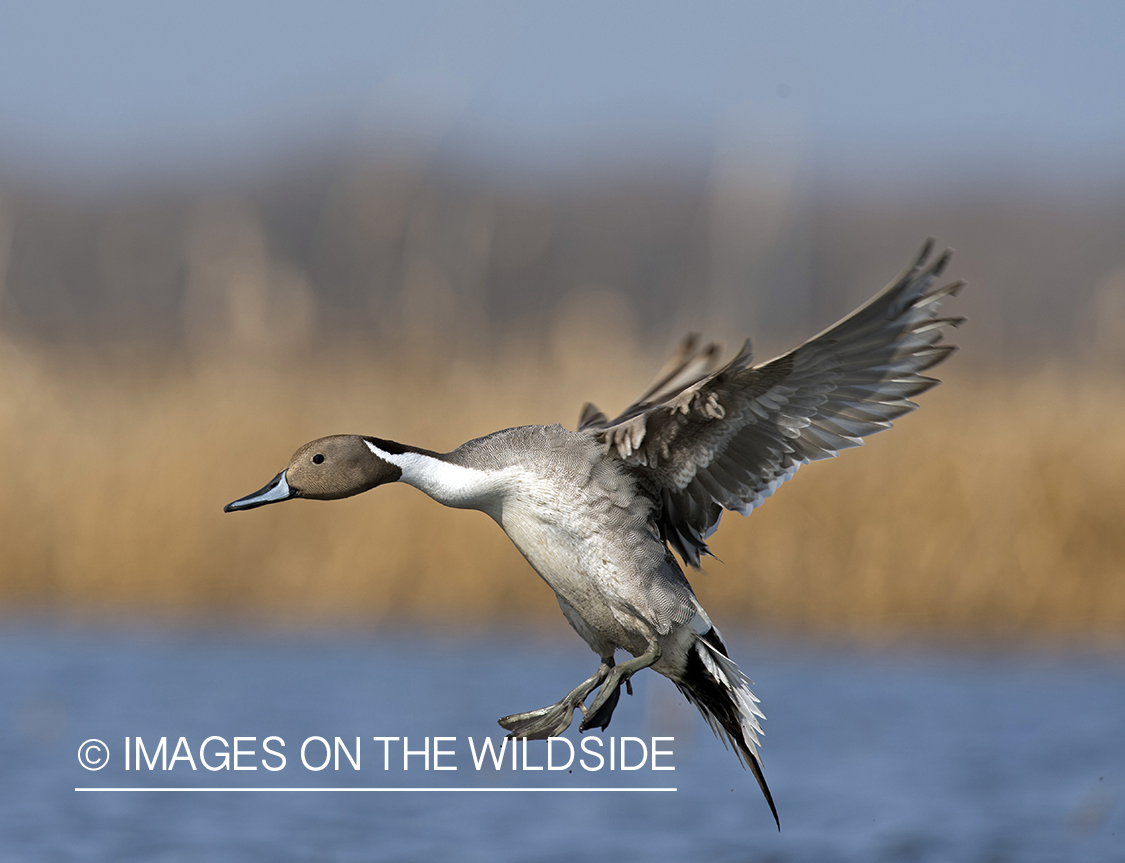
(714, 684)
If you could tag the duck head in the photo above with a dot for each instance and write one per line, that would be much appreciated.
(325, 469)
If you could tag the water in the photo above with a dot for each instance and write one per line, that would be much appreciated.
(871, 756)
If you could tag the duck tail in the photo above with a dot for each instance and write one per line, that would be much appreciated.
(715, 684)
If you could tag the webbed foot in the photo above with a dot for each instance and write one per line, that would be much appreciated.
(600, 712)
(554, 720)
(540, 724)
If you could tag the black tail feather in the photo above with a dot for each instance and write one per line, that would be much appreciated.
(711, 686)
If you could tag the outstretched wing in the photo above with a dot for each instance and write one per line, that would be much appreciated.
(704, 440)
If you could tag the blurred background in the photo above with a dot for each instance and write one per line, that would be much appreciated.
(227, 229)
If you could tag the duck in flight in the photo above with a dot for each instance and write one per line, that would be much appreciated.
(598, 512)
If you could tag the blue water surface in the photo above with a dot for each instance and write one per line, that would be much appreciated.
(871, 755)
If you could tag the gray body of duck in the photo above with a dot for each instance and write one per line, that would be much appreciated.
(598, 512)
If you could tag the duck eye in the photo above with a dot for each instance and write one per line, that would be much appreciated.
(318, 459)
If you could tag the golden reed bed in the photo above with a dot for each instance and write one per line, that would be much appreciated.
(995, 511)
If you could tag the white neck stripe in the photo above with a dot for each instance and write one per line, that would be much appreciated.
(450, 484)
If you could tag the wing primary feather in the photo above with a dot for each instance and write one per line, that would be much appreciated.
(703, 437)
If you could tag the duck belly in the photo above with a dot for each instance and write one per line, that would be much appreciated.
(617, 588)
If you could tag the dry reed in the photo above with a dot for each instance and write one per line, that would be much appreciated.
(994, 511)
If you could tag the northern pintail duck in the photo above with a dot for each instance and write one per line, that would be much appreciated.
(598, 512)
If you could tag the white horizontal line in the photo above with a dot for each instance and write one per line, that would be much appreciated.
(380, 789)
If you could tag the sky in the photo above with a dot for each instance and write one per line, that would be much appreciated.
(111, 90)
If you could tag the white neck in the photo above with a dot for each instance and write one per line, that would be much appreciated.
(449, 484)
